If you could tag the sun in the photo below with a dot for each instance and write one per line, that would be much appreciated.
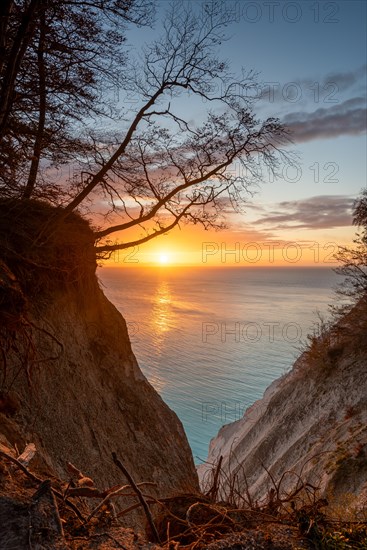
(163, 258)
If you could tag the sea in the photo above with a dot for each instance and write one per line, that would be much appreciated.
(211, 340)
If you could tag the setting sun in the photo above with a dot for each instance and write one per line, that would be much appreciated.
(163, 258)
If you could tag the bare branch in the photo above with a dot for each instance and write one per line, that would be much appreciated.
(139, 495)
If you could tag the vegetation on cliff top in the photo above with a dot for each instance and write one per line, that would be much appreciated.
(347, 323)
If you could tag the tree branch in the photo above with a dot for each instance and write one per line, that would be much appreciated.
(139, 495)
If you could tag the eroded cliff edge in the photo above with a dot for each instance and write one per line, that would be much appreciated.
(310, 425)
(69, 380)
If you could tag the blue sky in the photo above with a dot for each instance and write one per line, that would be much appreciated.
(311, 59)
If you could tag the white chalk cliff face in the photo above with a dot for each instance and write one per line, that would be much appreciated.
(311, 422)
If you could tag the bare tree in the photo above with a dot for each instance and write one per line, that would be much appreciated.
(158, 168)
(166, 169)
(55, 57)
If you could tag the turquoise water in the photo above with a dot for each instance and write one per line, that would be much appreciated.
(210, 340)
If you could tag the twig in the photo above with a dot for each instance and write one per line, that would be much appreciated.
(73, 470)
(213, 491)
(88, 492)
(38, 480)
(139, 495)
(100, 535)
(112, 494)
(131, 508)
(103, 502)
(21, 467)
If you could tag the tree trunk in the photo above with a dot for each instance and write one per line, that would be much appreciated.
(5, 9)
(23, 37)
(38, 143)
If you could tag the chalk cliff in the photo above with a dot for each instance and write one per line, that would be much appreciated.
(312, 422)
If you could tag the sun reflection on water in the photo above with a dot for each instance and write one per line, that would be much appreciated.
(161, 322)
(162, 315)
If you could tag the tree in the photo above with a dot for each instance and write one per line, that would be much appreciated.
(354, 259)
(156, 168)
(55, 58)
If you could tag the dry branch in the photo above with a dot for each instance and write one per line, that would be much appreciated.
(38, 480)
(110, 494)
(27, 454)
(213, 491)
(139, 495)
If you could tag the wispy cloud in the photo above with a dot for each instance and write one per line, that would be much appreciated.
(345, 80)
(347, 118)
(315, 89)
(322, 212)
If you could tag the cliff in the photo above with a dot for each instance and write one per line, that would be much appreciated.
(309, 427)
(70, 385)
(69, 381)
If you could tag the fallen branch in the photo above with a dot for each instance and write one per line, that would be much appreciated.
(139, 495)
(134, 507)
(88, 492)
(38, 480)
(110, 494)
(27, 454)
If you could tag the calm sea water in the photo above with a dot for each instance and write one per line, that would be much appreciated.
(210, 340)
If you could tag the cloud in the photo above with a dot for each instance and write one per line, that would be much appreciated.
(322, 212)
(336, 115)
(346, 80)
(315, 89)
(347, 118)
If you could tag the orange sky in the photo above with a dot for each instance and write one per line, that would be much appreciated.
(237, 247)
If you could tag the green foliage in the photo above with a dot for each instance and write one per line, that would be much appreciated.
(350, 537)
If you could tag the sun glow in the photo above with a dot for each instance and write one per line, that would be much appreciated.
(163, 258)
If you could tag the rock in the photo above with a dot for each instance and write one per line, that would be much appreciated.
(30, 523)
(310, 423)
(82, 395)
(12, 299)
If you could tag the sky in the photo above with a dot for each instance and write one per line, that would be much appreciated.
(311, 62)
